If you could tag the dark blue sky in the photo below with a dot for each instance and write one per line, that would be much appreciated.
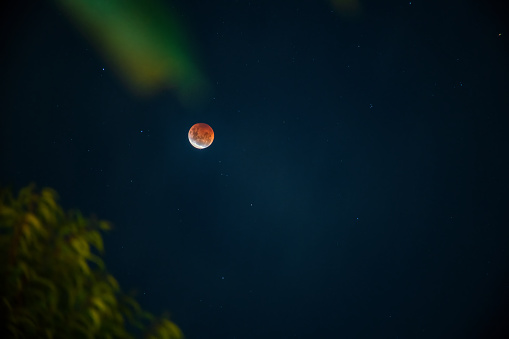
(357, 184)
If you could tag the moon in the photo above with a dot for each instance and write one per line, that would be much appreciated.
(201, 135)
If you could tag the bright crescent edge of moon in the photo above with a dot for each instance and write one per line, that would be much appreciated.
(196, 145)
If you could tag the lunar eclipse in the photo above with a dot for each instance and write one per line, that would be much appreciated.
(201, 135)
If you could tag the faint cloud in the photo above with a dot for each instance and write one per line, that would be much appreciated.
(347, 8)
(144, 43)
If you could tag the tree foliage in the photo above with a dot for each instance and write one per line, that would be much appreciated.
(53, 281)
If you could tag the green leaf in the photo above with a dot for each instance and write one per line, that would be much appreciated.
(95, 239)
(84, 266)
(81, 246)
(113, 282)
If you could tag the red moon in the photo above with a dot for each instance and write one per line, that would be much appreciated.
(201, 135)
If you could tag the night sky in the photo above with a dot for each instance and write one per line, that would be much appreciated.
(356, 187)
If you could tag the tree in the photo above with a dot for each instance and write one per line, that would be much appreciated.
(53, 281)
